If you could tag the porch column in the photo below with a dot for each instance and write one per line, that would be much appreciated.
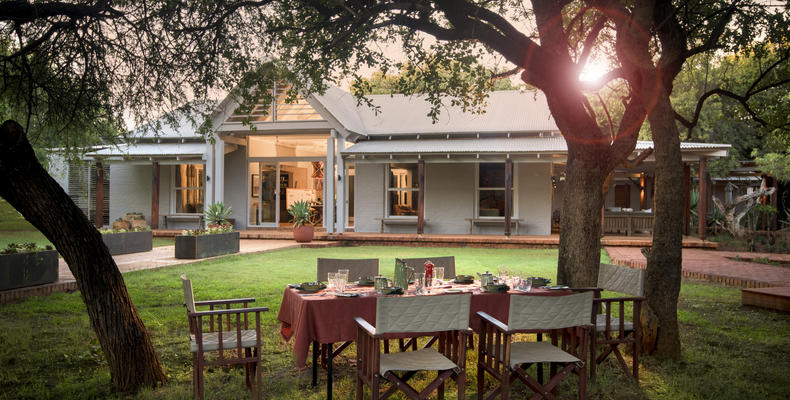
(420, 196)
(702, 202)
(508, 194)
(687, 199)
(99, 217)
(155, 195)
(329, 184)
(209, 171)
(219, 170)
(341, 187)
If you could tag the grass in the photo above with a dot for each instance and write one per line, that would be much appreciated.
(48, 350)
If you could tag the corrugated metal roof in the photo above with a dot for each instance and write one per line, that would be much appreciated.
(152, 150)
(554, 144)
(505, 111)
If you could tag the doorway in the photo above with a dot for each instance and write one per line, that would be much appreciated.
(274, 186)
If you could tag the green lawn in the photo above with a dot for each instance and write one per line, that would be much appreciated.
(48, 350)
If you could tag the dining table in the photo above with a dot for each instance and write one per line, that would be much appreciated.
(324, 318)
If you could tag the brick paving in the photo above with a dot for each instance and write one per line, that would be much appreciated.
(157, 258)
(718, 266)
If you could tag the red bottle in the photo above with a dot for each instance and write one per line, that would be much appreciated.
(428, 273)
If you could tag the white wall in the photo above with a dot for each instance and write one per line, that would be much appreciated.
(449, 197)
(236, 185)
(58, 169)
(369, 191)
(534, 198)
(130, 190)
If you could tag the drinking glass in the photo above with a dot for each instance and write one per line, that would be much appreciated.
(341, 283)
(331, 281)
(343, 272)
(419, 279)
(526, 284)
(438, 275)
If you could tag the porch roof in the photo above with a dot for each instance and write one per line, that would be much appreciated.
(152, 151)
(553, 145)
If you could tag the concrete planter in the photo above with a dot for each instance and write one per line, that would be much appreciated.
(192, 247)
(28, 269)
(128, 242)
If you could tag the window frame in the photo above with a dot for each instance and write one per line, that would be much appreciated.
(388, 189)
(478, 188)
(174, 189)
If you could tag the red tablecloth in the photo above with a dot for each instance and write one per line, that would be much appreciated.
(330, 319)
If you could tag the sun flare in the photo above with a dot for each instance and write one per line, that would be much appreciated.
(593, 71)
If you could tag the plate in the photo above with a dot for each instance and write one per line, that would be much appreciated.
(556, 287)
(346, 294)
(363, 283)
(464, 279)
(454, 291)
(299, 288)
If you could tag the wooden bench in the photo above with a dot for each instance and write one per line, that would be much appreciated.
(398, 221)
(196, 219)
(489, 221)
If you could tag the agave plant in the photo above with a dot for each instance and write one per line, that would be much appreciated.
(302, 213)
(218, 214)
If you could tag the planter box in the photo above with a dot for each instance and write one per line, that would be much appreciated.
(28, 269)
(128, 242)
(203, 246)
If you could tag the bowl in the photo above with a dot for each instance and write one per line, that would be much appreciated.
(464, 279)
(494, 288)
(540, 281)
(365, 281)
(392, 290)
(311, 286)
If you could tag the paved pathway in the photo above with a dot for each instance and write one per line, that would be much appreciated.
(718, 266)
(157, 258)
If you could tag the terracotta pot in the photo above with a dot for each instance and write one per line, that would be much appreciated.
(304, 233)
(120, 225)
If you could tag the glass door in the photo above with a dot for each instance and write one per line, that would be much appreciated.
(263, 194)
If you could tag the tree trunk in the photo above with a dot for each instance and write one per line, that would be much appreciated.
(580, 223)
(28, 187)
(665, 258)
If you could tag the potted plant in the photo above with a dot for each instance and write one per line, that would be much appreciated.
(27, 264)
(302, 213)
(217, 239)
(218, 215)
(120, 224)
(125, 241)
(135, 220)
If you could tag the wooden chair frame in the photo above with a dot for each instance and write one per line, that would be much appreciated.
(495, 340)
(607, 341)
(369, 350)
(222, 311)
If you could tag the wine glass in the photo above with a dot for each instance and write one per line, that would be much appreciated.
(343, 272)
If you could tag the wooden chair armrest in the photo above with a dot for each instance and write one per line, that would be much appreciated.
(224, 301)
(613, 299)
(365, 326)
(230, 311)
(493, 322)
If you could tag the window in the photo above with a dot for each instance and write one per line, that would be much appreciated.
(491, 190)
(189, 188)
(402, 190)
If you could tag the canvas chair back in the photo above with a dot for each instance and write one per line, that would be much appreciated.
(358, 267)
(448, 263)
(549, 312)
(423, 313)
(189, 297)
(622, 279)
